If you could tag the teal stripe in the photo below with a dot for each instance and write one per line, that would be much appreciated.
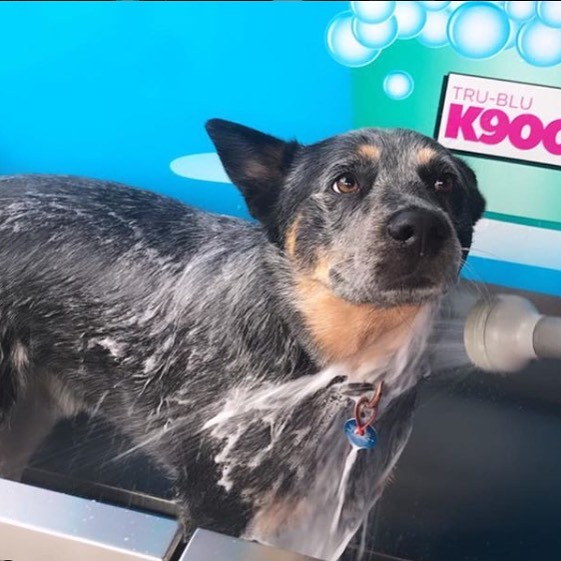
(546, 224)
(513, 275)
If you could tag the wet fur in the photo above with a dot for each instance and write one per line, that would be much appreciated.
(136, 307)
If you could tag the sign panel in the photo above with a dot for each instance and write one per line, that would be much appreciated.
(511, 120)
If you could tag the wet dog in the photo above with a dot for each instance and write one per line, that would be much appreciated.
(226, 348)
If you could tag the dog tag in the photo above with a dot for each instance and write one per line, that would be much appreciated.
(366, 441)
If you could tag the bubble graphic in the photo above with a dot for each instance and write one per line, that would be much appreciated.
(550, 13)
(521, 11)
(478, 30)
(434, 6)
(376, 35)
(398, 85)
(434, 33)
(539, 45)
(455, 5)
(343, 46)
(410, 19)
(373, 12)
(515, 27)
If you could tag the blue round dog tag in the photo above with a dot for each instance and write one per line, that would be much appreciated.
(366, 441)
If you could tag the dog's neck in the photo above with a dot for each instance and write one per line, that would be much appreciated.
(357, 336)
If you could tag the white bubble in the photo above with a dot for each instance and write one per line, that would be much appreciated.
(434, 33)
(434, 6)
(376, 35)
(550, 13)
(398, 85)
(373, 12)
(539, 45)
(478, 30)
(204, 167)
(343, 45)
(410, 19)
(521, 11)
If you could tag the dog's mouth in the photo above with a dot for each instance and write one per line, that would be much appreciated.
(404, 295)
(416, 288)
(418, 292)
(387, 289)
(419, 280)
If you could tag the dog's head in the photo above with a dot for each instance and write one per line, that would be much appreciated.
(377, 216)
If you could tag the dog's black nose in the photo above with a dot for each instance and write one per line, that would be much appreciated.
(419, 228)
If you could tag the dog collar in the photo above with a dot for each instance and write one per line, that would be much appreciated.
(358, 429)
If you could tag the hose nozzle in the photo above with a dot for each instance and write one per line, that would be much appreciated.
(505, 333)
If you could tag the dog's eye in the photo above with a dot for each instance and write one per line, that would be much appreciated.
(444, 184)
(345, 184)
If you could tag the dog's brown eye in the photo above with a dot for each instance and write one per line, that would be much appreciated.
(346, 183)
(444, 184)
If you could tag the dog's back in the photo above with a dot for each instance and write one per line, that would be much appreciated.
(105, 287)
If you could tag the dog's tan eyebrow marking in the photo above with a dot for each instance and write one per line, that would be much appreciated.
(369, 150)
(291, 235)
(425, 156)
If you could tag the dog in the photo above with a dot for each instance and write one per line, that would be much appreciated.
(228, 349)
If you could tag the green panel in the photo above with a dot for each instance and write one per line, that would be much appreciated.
(522, 191)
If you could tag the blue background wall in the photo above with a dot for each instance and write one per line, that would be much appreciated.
(118, 90)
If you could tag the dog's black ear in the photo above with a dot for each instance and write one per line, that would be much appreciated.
(256, 163)
(475, 201)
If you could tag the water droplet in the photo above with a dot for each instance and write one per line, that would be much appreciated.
(539, 45)
(398, 85)
(376, 35)
(410, 19)
(434, 32)
(520, 11)
(373, 12)
(550, 13)
(434, 6)
(478, 30)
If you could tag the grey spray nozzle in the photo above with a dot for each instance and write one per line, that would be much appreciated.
(505, 333)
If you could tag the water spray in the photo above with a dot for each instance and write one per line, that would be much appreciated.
(505, 333)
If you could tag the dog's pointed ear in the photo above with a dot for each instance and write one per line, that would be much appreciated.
(257, 163)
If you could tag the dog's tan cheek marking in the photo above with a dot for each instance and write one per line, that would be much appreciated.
(425, 156)
(369, 151)
(351, 333)
(321, 269)
(291, 237)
